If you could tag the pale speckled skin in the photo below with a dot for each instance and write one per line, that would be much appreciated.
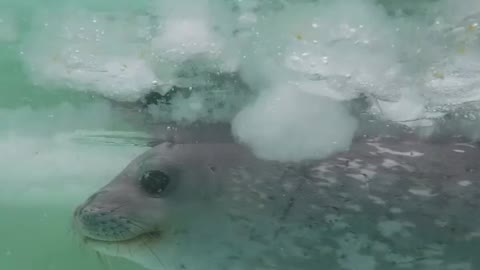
(386, 204)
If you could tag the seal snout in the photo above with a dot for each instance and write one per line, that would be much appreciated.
(103, 224)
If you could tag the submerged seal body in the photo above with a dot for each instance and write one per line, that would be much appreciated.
(387, 203)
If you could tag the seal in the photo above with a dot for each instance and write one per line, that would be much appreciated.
(388, 203)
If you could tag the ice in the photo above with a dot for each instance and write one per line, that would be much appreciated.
(345, 47)
(91, 52)
(288, 124)
(416, 62)
(405, 109)
(184, 38)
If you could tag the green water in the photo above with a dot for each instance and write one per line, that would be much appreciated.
(44, 173)
(41, 238)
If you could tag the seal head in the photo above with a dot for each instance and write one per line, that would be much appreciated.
(153, 191)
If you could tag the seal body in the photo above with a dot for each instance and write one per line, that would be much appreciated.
(387, 203)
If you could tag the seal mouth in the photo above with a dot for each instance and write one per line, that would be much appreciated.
(143, 238)
(99, 226)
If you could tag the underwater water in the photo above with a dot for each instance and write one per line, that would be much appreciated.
(74, 75)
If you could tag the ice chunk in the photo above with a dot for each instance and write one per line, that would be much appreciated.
(91, 52)
(290, 125)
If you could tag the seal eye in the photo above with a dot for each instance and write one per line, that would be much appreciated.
(154, 182)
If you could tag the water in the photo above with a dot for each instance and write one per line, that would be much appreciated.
(71, 72)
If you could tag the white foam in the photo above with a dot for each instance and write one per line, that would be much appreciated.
(464, 183)
(343, 47)
(121, 79)
(90, 52)
(424, 192)
(402, 110)
(389, 163)
(286, 124)
(377, 200)
(183, 38)
(191, 31)
(466, 145)
(334, 50)
(381, 149)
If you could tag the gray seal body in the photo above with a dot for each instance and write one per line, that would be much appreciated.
(388, 204)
